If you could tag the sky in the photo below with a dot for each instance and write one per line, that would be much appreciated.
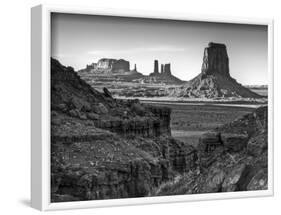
(78, 40)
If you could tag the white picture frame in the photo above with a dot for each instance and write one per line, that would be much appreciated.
(40, 66)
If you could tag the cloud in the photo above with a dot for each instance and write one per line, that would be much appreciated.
(138, 50)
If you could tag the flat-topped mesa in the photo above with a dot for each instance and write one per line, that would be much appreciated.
(113, 64)
(215, 60)
(121, 65)
(105, 63)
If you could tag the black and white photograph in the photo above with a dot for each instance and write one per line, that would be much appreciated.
(146, 107)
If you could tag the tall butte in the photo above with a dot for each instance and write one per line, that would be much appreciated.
(215, 60)
(215, 80)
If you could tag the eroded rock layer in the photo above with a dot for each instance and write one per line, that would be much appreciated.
(104, 148)
(231, 158)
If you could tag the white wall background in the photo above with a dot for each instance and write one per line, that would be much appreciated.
(15, 104)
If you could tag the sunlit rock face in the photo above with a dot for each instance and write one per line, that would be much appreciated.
(113, 64)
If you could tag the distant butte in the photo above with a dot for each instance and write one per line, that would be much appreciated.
(215, 80)
(165, 76)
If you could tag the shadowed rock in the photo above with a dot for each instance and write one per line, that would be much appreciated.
(232, 158)
(215, 60)
(156, 69)
(104, 148)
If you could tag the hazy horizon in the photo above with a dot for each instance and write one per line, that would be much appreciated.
(78, 40)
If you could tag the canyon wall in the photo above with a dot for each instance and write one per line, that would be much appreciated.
(105, 148)
(231, 158)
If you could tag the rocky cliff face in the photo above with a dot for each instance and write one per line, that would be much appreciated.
(121, 65)
(108, 65)
(105, 63)
(214, 81)
(215, 60)
(105, 148)
(231, 158)
(107, 70)
(156, 68)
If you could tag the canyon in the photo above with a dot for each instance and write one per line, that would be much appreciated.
(108, 148)
(231, 158)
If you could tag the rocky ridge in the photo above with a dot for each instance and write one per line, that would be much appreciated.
(231, 158)
(105, 148)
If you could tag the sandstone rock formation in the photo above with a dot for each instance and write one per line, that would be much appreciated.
(104, 148)
(108, 66)
(105, 63)
(108, 70)
(166, 70)
(164, 77)
(231, 158)
(215, 60)
(121, 65)
(156, 68)
(214, 81)
(113, 65)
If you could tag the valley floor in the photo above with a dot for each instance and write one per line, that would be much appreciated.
(189, 120)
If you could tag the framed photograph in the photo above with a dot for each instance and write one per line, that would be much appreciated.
(132, 107)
